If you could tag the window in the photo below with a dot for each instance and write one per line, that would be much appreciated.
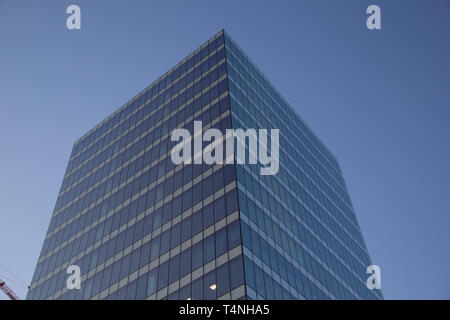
(173, 296)
(221, 241)
(197, 191)
(207, 187)
(131, 290)
(215, 113)
(214, 89)
(106, 278)
(125, 269)
(223, 86)
(208, 216)
(234, 237)
(135, 256)
(219, 209)
(154, 170)
(198, 169)
(229, 174)
(221, 69)
(97, 283)
(236, 272)
(208, 249)
(218, 180)
(159, 192)
(99, 232)
(141, 287)
(178, 180)
(88, 289)
(205, 100)
(157, 218)
(148, 224)
(152, 280)
(223, 285)
(133, 209)
(270, 294)
(177, 206)
(145, 254)
(115, 275)
(186, 226)
(165, 242)
(168, 186)
(259, 280)
(138, 230)
(141, 203)
(185, 262)
(176, 236)
(189, 108)
(185, 292)
(249, 273)
(197, 255)
(265, 252)
(187, 199)
(226, 123)
(163, 275)
(150, 197)
(278, 291)
(197, 222)
(101, 256)
(154, 250)
(174, 270)
(231, 201)
(197, 72)
(187, 173)
(273, 259)
(130, 236)
(197, 289)
(210, 286)
(167, 212)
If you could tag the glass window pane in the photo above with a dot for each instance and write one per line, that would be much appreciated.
(197, 255)
(223, 280)
(219, 209)
(186, 230)
(131, 290)
(174, 270)
(152, 280)
(141, 287)
(208, 249)
(236, 272)
(221, 241)
(185, 292)
(234, 237)
(185, 262)
(208, 216)
(197, 222)
(163, 275)
(210, 286)
(197, 289)
(154, 251)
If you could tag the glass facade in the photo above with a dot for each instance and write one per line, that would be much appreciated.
(300, 235)
(140, 227)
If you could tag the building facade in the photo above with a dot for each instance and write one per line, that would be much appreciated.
(140, 227)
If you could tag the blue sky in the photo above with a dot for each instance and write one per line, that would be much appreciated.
(378, 99)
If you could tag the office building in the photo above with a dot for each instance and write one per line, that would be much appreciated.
(140, 227)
